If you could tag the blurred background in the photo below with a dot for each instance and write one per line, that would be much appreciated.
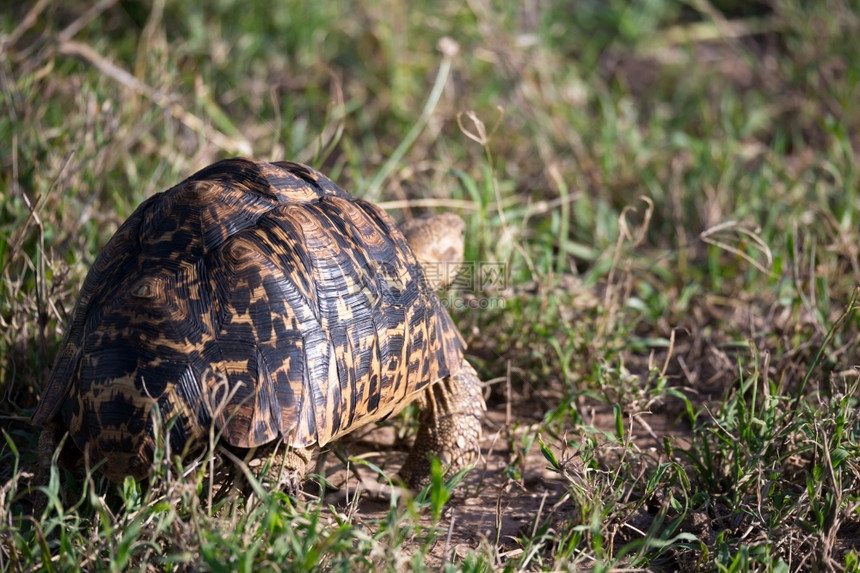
(541, 123)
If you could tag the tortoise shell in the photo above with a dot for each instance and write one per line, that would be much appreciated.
(259, 297)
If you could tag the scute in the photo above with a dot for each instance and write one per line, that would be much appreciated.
(273, 303)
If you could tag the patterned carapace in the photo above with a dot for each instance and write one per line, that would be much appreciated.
(258, 296)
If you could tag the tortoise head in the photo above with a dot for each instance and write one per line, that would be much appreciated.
(438, 244)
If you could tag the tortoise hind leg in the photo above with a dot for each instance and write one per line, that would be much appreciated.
(51, 437)
(42, 476)
(276, 466)
(450, 426)
(290, 469)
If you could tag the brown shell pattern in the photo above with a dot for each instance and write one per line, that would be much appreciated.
(259, 296)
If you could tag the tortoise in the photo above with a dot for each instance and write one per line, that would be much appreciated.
(265, 300)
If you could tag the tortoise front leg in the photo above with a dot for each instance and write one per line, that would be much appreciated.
(450, 426)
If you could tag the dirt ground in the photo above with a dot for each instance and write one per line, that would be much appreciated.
(489, 508)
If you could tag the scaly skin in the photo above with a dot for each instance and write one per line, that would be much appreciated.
(287, 467)
(450, 427)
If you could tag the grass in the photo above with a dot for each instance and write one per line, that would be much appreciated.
(670, 186)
